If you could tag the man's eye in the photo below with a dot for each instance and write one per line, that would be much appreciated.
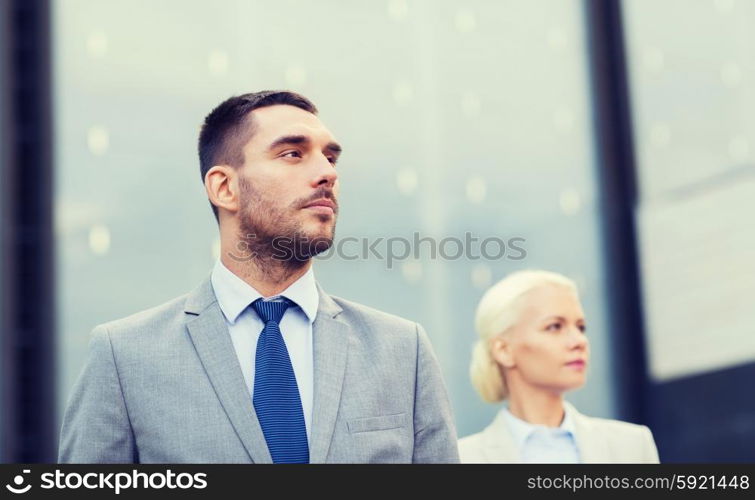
(291, 154)
(333, 160)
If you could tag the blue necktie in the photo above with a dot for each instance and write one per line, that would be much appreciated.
(276, 395)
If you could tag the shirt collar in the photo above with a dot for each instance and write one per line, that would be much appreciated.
(234, 294)
(522, 430)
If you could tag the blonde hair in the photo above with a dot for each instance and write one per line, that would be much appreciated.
(498, 311)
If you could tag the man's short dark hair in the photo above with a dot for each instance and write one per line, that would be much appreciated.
(229, 127)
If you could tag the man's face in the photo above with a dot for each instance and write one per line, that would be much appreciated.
(288, 184)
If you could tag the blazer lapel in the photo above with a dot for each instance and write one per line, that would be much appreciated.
(209, 333)
(592, 445)
(330, 344)
(499, 445)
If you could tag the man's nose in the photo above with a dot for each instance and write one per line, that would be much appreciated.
(326, 172)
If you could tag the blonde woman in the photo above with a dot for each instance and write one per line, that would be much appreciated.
(532, 349)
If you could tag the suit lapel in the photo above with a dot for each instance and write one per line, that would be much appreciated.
(592, 445)
(330, 345)
(499, 446)
(209, 334)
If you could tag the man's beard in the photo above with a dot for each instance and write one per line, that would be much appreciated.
(273, 236)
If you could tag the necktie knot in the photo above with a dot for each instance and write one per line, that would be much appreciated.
(269, 310)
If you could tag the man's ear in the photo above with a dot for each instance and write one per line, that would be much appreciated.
(221, 184)
(501, 351)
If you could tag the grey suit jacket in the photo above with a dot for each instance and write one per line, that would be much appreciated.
(165, 386)
(599, 440)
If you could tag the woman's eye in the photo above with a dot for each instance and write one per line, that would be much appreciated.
(582, 328)
(554, 327)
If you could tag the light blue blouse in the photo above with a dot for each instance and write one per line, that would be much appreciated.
(541, 444)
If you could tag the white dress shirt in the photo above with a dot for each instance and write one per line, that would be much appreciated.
(541, 444)
(234, 298)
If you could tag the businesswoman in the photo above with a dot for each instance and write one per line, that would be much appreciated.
(532, 349)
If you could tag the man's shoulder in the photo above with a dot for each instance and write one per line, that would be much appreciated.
(150, 320)
(371, 317)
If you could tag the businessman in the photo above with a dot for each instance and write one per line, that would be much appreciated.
(258, 363)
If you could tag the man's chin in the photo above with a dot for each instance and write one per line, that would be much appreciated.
(320, 232)
(305, 245)
(317, 245)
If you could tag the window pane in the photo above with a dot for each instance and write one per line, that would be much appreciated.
(693, 111)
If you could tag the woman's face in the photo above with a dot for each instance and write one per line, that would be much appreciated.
(547, 349)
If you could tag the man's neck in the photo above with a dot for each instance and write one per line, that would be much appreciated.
(269, 277)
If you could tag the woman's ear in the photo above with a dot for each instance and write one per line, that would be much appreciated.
(221, 184)
(502, 353)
